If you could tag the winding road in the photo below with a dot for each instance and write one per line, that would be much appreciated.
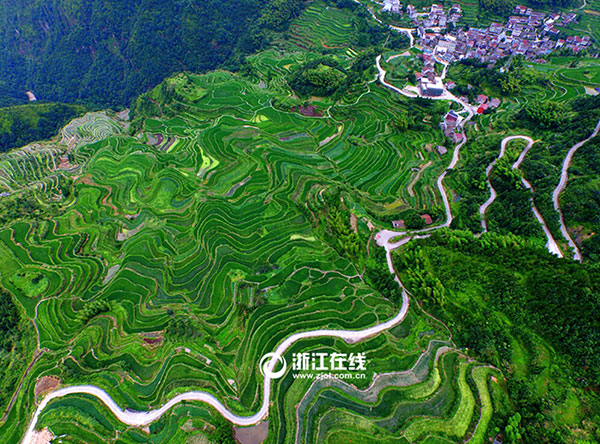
(564, 177)
(383, 73)
(407, 31)
(483, 208)
(551, 243)
(384, 237)
(140, 419)
(133, 418)
(144, 418)
(414, 92)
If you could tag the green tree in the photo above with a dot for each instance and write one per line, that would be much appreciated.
(512, 434)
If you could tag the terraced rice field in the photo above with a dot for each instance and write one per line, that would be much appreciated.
(41, 165)
(321, 26)
(589, 21)
(186, 254)
(431, 400)
(567, 81)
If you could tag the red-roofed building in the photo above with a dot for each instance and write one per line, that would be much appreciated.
(450, 121)
(451, 116)
(455, 137)
(427, 218)
(481, 98)
(482, 108)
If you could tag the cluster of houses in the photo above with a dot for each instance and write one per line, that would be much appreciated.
(531, 35)
(432, 86)
(450, 126)
(429, 84)
(485, 103)
(533, 18)
(528, 33)
(436, 17)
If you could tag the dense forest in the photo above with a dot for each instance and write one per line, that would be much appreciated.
(20, 125)
(10, 322)
(107, 52)
(11, 347)
(499, 295)
(11, 95)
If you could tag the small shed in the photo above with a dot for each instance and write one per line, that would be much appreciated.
(494, 103)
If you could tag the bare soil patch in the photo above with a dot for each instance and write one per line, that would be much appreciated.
(256, 434)
(44, 436)
(309, 110)
(46, 384)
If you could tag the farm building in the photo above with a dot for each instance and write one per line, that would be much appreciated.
(482, 108)
(398, 224)
(450, 120)
(494, 103)
(431, 89)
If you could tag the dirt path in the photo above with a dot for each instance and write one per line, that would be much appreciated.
(412, 183)
(36, 355)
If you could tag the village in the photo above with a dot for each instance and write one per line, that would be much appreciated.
(529, 33)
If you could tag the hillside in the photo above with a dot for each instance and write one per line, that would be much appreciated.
(106, 52)
(152, 258)
(22, 124)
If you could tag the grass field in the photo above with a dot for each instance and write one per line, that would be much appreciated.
(321, 26)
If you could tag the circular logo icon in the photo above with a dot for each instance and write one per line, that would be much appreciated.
(268, 370)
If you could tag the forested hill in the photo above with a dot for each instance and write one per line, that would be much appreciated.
(105, 52)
